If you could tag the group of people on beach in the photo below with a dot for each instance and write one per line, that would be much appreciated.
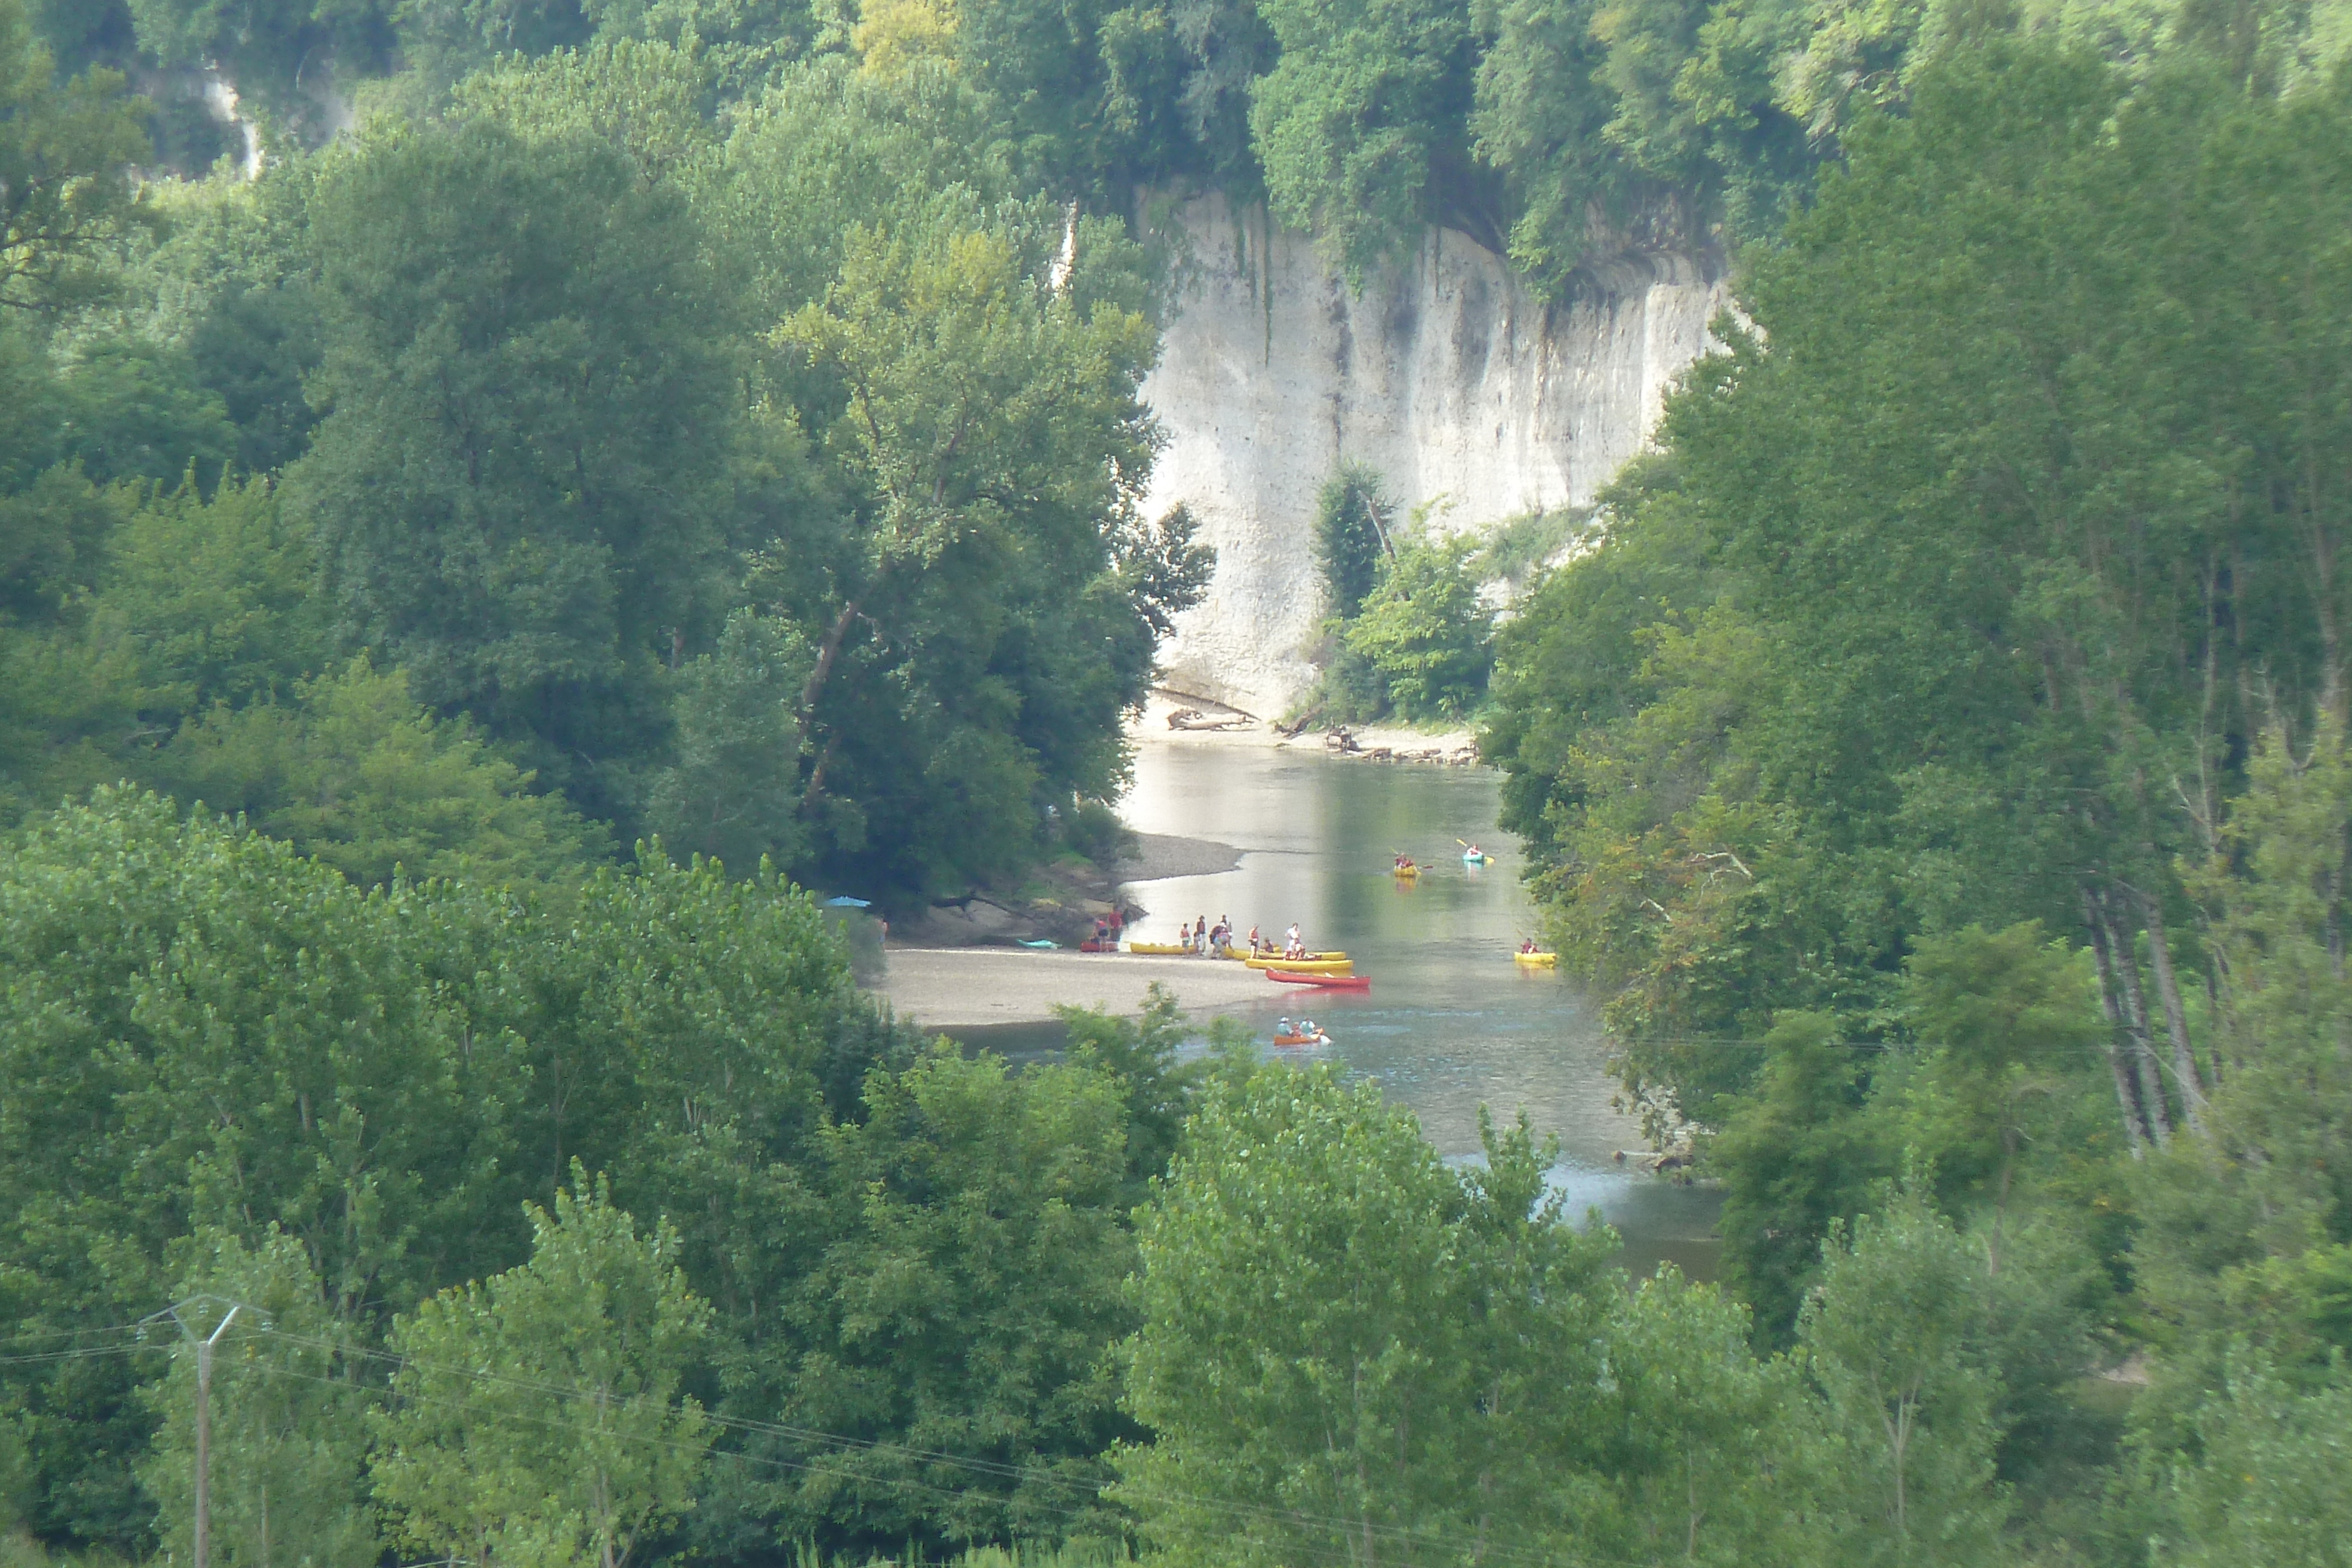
(1199, 937)
(1213, 941)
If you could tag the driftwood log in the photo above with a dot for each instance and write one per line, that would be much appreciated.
(1193, 719)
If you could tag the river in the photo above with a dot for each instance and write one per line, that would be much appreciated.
(1451, 1022)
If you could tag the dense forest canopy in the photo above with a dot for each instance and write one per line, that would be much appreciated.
(589, 463)
(571, 439)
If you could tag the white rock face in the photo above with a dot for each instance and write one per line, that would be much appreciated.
(1444, 377)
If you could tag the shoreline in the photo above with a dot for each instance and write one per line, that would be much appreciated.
(1160, 856)
(971, 988)
(1151, 728)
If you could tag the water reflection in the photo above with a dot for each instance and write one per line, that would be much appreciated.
(1451, 1022)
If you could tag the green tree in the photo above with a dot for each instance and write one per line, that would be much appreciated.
(1359, 126)
(537, 1416)
(1714, 1441)
(1424, 630)
(65, 187)
(211, 602)
(289, 1415)
(515, 489)
(2009, 1023)
(1346, 1348)
(1796, 1156)
(2267, 1479)
(352, 771)
(1541, 110)
(956, 1319)
(1907, 1409)
(203, 1028)
(988, 424)
(1350, 537)
(734, 792)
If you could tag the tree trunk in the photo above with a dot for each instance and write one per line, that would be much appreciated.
(2123, 955)
(2176, 1017)
(827, 653)
(2127, 1096)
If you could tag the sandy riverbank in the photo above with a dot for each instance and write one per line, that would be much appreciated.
(1159, 855)
(958, 987)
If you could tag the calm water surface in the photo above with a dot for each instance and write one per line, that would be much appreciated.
(1451, 1023)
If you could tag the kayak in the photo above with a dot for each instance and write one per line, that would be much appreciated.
(1406, 873)
(1310, 967)
(1539, 960)
(1317, 1038)
(1478, 860)
(1335, 982)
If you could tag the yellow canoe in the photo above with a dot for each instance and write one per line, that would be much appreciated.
(1272, 959)
(1309, 967)
(1159, 949)
(1405, 873)
(1539, 960)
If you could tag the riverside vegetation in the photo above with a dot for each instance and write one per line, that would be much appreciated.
(713, 430)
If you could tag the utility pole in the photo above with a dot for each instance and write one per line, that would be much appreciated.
(180, 1314)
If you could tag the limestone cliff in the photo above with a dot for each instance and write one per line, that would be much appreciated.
(1444, 376)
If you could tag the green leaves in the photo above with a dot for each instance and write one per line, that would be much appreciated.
(537, 1416)
(1908, 1412)
(1342, 1342)
(1425, 630)
(355, 773)
(734, 793)
(1357, 115)
(289, 1415)
(65, 185)
(514, 494)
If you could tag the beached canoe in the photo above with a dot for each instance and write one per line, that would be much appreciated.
(1333, 982)
(1311, 967)
(1539, 960)
(1273, 959)
(1159, 949)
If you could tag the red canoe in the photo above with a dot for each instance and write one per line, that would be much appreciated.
(1329, 982)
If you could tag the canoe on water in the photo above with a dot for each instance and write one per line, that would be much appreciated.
(1406, 873)
(1478, 860)
(1539, 960)
(1334, 982)
(1317, 1038)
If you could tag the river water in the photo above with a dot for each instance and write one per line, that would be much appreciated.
(1451, 1022)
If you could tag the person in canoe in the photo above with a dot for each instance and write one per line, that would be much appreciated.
(1294, 947)
(1529, 946)
(1405, 865)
